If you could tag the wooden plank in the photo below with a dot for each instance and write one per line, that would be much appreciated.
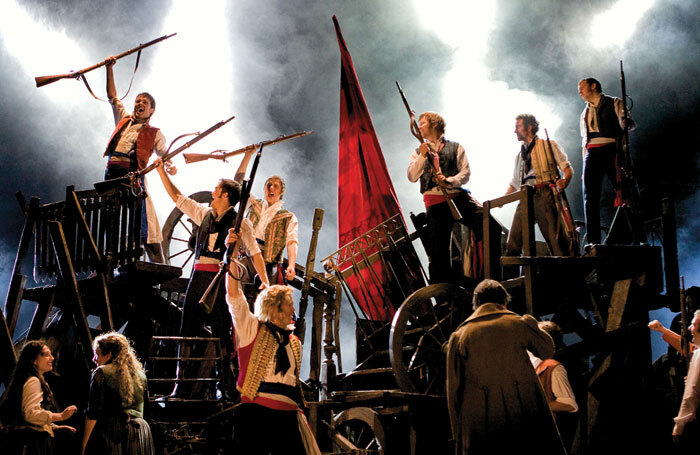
(528, 226)
(43, 308)
(8, 356)
(14, 291)
(486, 223)
(74, 301)
(550, 261)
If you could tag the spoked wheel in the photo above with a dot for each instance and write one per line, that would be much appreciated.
(419, 334)
(178, 229)
(358, 428)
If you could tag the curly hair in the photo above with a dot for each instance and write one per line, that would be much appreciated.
(11, 402)
(435, 121)
(271, 299)
(529, 120)
(124, 359)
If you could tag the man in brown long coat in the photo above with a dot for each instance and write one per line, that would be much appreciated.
(495, 400)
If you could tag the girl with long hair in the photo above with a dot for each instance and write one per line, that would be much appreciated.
(28, 408)
(114, 421)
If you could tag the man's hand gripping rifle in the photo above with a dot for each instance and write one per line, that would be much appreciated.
(133, 179)
(209, 297)
(562, 204)
(417, 134)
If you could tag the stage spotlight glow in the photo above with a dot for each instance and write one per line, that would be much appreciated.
(41, 51)
(191, 80)
(616, 25)
(481, 112)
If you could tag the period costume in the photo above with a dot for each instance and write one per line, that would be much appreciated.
(534, 169)
(601, 133)
(451, 160)
(270, 418)
(495, 401)
(129, 149)
(685, 422)
(273, 227)
(120, 429)
(210, 246)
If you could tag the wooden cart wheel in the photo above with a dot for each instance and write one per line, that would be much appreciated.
(419, 334)
(358, 428)
(177, 231)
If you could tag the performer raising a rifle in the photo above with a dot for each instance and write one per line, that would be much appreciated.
(452, 169)
(536, 166)
(214, 222)
(130, 147)
(274, 227)
(602, 124)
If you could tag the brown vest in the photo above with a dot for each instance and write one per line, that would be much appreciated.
(144, 142)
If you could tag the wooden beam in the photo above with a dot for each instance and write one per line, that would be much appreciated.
(70, 283)
(13, 299)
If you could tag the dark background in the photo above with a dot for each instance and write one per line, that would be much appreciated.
(275, 65)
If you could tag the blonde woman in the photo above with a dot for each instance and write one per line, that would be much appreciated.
(114, 418)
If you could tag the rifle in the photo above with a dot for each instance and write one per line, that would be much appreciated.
(222, 154)
(630, 189)
(300, 326)
(562, 203)
(209, 297)
(46, 80)
(132, 179)
(685, 347)
(417, 134)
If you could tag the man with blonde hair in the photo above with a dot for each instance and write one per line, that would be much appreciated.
(269, 358)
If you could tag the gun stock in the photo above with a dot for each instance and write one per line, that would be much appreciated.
(562, 204)
(197, 157)
(46, 80)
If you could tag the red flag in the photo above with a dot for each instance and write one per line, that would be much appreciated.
(366, 196)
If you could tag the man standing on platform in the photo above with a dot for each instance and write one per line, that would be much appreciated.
(130, 147)
(452, 168)
(602, 127)
(214, 223)
(274, 227)
(533, 168)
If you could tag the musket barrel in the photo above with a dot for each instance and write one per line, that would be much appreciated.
(46, 80)
(196, 157)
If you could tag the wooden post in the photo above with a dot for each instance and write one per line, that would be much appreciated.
(14, 291)
(73, 207)
(486, 222)
(70, 283)
(528, 224)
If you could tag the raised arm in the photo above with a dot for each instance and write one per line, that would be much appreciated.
(240, 173)
(170, 187)
(111, 88)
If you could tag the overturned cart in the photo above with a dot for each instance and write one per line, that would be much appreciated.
(393, 400)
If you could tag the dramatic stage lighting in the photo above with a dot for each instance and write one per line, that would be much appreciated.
(615, 26)
(481, 112)
(41, 51)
